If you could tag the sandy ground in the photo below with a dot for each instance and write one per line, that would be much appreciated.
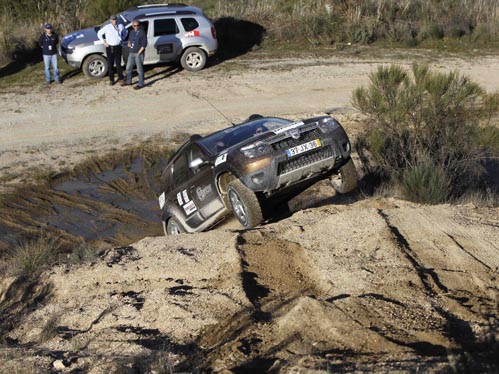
(372, 286)
(376, 285)
(54, 127)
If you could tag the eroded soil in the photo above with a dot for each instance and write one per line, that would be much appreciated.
(378, 285)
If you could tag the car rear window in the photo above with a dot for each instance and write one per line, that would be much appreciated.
(189, 24)
(180, 171)
(165, 27)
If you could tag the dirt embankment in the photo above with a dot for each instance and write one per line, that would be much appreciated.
(380, 285)
(375, 285)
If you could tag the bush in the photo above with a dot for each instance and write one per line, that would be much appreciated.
(425, 182)
(425, 131)
(29, 259)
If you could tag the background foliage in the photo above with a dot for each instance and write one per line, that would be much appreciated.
(427, 133)
(310, 22)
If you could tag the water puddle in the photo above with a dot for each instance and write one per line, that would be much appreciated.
(107, 201)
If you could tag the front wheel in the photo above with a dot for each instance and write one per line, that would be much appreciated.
(346, 179)
(95, 66)
(172, 227)
(193, 59)
(244, 204)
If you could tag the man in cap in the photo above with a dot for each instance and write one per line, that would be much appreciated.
(112, 35)
(48, 42)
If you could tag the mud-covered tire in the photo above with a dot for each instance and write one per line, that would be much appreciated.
(346, 179)
(172, 227)
(244, 204)
(193, 59)
(95, 66)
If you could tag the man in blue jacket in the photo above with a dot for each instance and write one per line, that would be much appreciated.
(137, 42)
(48, 42)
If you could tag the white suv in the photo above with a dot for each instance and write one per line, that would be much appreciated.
(175, 33)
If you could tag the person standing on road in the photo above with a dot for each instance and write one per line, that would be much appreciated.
(48, 42)
(112, 35)
(137, 43)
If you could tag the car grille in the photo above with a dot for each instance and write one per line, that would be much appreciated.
(290, 142)
(304, 160)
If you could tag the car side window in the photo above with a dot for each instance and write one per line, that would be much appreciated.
(144, 25)
(180, 171)
(189, 24)
(193, 153)
(165, 27)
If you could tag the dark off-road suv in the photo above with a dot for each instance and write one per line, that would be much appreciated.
(249, 167)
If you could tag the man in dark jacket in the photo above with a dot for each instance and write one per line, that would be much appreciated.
(48, 42)
(137, 42)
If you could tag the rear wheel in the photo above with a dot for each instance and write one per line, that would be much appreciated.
(346, 179)
(172, 227)
(244, 204)
(95, 66)
(193, 59)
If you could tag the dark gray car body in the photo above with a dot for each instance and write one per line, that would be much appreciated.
(288, 158)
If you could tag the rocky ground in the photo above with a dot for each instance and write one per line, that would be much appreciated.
(341, 285)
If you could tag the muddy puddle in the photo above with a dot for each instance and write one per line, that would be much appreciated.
(106, 201)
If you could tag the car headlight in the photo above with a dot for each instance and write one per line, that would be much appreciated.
(328, 124)
(256, 149)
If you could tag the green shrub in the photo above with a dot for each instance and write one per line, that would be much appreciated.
(30, 258)
(425, 182)
(426, 131)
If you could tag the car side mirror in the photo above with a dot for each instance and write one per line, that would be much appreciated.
(197, 162)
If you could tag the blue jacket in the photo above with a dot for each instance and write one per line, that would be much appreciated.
(138, 39)
(49, 43)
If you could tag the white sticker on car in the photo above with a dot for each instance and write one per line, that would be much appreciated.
(287, 127)
(190, 208)
(185, 196)
(203, 192)
(161, 200)
(221, 159)
(179, 199)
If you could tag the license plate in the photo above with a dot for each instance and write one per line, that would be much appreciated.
(305, 147)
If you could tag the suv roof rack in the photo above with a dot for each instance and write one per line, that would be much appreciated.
(168, 5)
(171, 12)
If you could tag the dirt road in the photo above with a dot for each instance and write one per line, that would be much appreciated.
(57, 126)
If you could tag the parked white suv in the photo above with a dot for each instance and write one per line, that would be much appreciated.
(175, 33)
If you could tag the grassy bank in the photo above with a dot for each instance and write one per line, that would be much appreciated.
(310, 23)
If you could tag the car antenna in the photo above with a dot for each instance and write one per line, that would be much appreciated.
(197, 96)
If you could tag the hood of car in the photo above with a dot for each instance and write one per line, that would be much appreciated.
(85, 36)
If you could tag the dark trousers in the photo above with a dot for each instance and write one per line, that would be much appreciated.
(114, 59)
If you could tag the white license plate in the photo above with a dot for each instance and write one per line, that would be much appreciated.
(303, 148)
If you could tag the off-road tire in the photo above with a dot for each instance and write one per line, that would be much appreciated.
(346, 179)
(172, 227)
(193, 59)
(95, 66)
(244, 204)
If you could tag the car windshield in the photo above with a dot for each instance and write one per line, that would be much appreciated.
(121, 20)
(231, 136)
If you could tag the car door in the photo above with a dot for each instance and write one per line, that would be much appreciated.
(164, 41)
(202, 188)
(181, 180)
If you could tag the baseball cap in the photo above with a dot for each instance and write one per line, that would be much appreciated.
(113, 17)
(48, 26)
